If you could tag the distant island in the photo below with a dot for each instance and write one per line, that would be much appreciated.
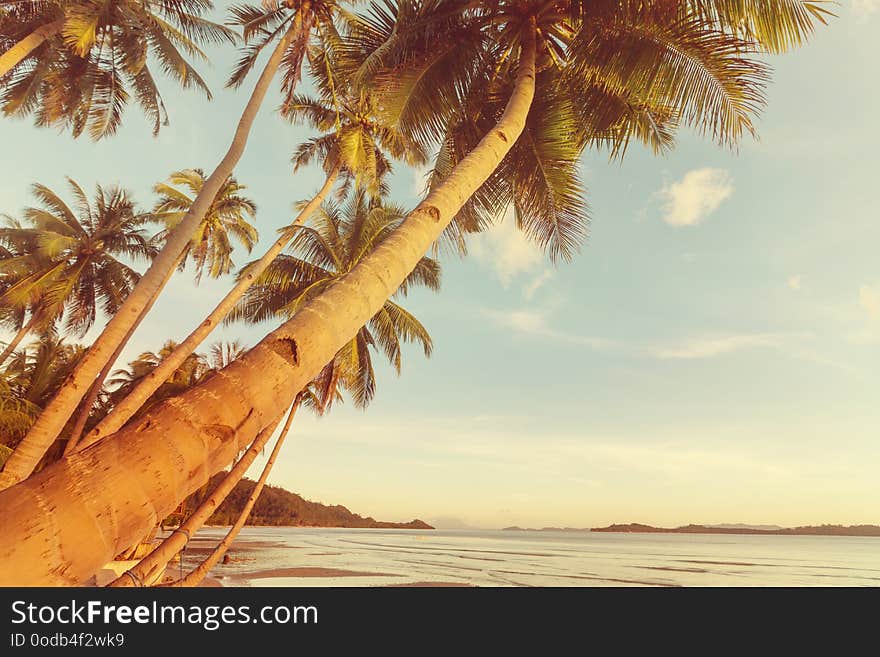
(637, 528)
(811, 530)
(279, 507)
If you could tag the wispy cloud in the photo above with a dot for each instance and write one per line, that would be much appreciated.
(506, 250)
(535, 323)
(717, 346)
(536, 283)
(690, 200)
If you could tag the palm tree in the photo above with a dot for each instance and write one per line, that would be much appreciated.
(355, 145)
(342, 238)
(222, 354)
(38, 370)
(77, 64)
(30, 379)
(190, 373)
(68, 265)
(211, 246)
(291, 24)
(71, 265)
(24, 27)
(704, 55)
(16, 415)
(19, 257)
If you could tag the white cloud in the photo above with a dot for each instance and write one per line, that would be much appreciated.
(794, 282)
(864, 8)
(504, 248)
(524, 321)
(694, 197)
(709, 347)
(869, 299)
(537, 283)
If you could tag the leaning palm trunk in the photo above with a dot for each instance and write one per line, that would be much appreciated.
(13, 344)
(51, 421)
(117, 488)
(14, 56)
(151, 567)
(95, 390)
(125, 409)
(197, 574)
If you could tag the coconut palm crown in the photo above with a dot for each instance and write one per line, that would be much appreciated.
(75, 264)
(95, 57)
(210, 249)
(607, 72)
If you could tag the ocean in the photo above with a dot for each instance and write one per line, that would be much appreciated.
(310, 556)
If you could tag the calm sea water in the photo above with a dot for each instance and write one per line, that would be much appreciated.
(295, 556)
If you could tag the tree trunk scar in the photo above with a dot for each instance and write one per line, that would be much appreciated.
(287, 349)
(223, 432)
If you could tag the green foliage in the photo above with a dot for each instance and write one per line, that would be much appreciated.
(65, 262)
(30, 379)
(82, 77)
(226, 220)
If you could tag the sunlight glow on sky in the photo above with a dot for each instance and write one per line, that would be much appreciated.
(711, 356)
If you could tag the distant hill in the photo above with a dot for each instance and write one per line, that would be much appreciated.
(820, 530)
(280, 507)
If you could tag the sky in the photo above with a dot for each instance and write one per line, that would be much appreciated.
(710, 356)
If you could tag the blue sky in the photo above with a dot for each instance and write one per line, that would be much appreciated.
(711, 355)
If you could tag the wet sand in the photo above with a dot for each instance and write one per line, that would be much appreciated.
(308, 571)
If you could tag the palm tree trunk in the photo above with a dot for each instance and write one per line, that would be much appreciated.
(106, 497)
(95, 390)
(150, 568)
(13, 57)
(195, 577)
(51, 421)
(23, 331)
(85, 408)
(125, 409)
